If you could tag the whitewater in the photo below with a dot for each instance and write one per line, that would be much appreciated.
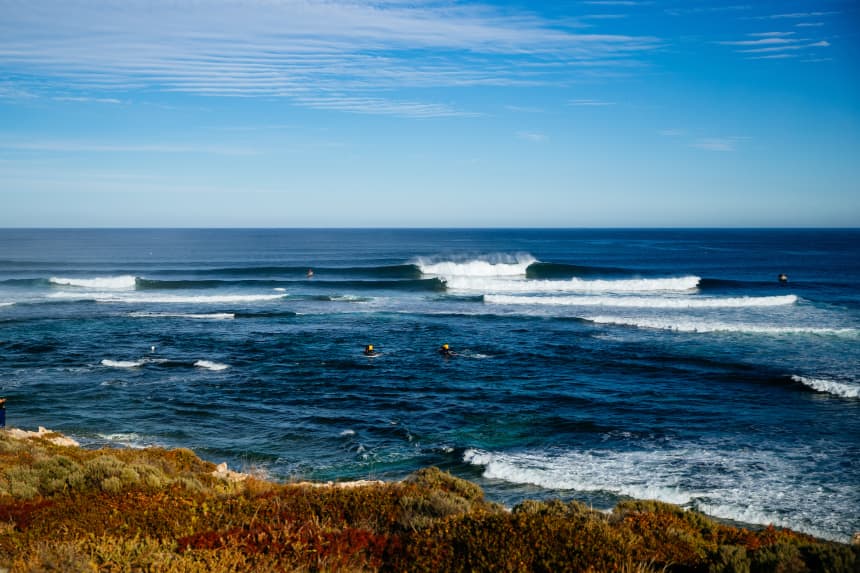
(596, 365)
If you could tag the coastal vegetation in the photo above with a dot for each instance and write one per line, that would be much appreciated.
(70, 509)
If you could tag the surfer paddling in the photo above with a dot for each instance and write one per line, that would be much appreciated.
(445, 350)
(369, 351)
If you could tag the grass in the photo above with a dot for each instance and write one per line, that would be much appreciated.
(75, 510)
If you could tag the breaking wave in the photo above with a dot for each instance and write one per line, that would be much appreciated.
(122, 363)
(644, 302)
(746, 485)
(169, 298)
(211, 316)
(499, 265)
(481, 284)
(840, 389)
(209, 365)
(124, 282)
(705, 326)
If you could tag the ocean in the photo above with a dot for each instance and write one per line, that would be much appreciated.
(596, 365)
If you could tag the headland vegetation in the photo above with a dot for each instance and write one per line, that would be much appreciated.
(72, 509)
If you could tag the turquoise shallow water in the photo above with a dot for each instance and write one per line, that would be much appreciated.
(590, 364)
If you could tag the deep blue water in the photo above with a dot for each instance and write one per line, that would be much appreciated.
(590, 364)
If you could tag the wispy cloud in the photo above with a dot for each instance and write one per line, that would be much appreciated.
(721, 144)
(809, 24)
(533, 137)
(81, 99)
(590, 103)
(73, 146)
(348, 55)
(796, 15)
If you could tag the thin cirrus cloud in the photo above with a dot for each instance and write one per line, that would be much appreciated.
(339, 54)
(719, 144)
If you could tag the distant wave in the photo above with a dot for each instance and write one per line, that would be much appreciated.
(840, 389)
(211, 316)
(542, 270)
(123, 282)
(122, 363)
(751, 486)
(169, 299)
(643, 302)
(404, 271)
(706, 326)
(500, 265)
(209, 365)
(572, 285)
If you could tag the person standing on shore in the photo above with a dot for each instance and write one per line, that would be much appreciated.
(2, 413)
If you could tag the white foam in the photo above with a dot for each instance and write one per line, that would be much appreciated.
(840, 389)
(708, 326)
(209, 365)
(169, 298)
(749, 485)
(346, 433)
(279, 289)
(127, 439)
(480, 284)
(6, 303)
(124, 282)
(489, 266)
(122, 363)
(211, 316)
(643, 301)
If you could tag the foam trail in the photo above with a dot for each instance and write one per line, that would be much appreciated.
(169, 298)
(124, 282)
(705, 327)
(481, 284)
(127, 439)
(209, 365)
(748, 485)
(122, 363)
(493, 266)
(6, 303)
(840, 389)
(212, 316)
(644, 302)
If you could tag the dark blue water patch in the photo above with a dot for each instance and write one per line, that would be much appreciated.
(550, 270)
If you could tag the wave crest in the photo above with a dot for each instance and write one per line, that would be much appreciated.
(481, 284)
(644, 302)
(124, 282)
(706, 326)
(210, 365)
(499, 265)
(122, 363)
(840, 389)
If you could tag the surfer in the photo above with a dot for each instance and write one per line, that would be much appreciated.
(783, 278)
(369, 351)
(2, 413)
(445, 350)
(310, 273)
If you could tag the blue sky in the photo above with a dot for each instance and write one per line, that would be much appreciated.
(347, 113)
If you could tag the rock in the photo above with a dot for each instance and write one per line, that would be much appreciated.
(221, 472)
(55, 438)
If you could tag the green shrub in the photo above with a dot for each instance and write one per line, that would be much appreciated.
(730, 559)
(778, 558)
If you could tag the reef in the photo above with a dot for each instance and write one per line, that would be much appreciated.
(72, 509)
